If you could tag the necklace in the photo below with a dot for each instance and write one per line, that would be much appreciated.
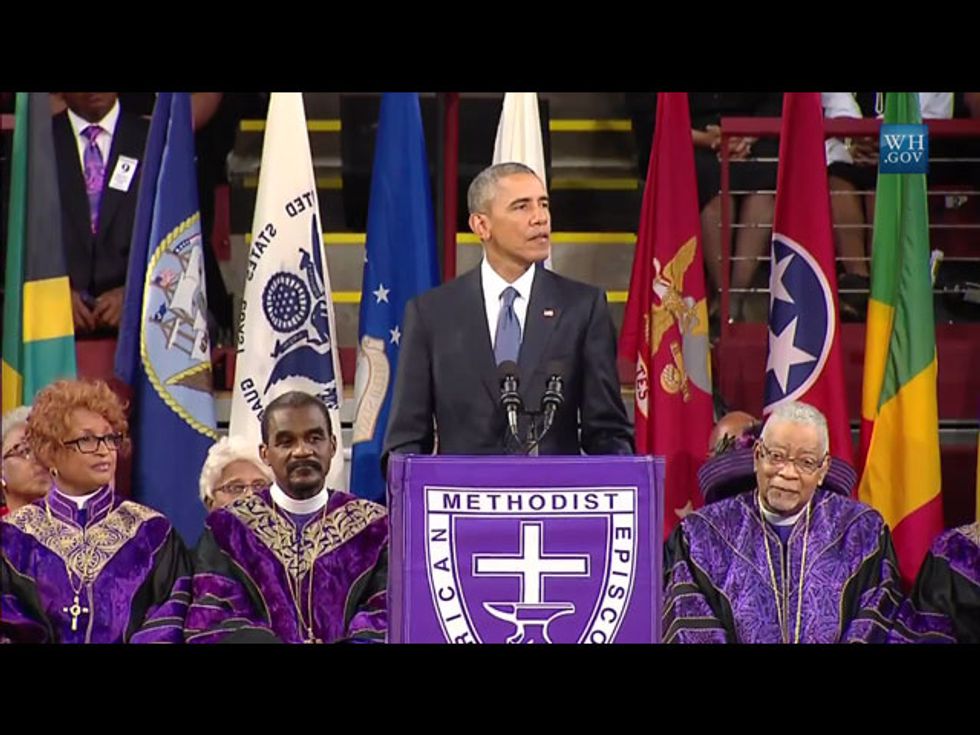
(782, 609)
(76, 609)
(294, 583)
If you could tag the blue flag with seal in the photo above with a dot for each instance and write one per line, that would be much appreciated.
(400, 263)
(164, 350)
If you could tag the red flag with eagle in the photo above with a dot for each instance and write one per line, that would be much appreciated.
(665, 327)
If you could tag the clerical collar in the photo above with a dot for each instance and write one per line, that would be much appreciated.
(79, 500)
(299, 507)
(777, 520)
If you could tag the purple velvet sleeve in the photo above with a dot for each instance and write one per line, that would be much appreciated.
(688, 616)
(221, 608)
(20, 622)
(16, 625)
(920, 626)
(165, 623)
(878, 586)
(924, 614)
(168, 593)
(369, 623)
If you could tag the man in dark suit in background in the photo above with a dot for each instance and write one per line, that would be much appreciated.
(99, 150)
(509, 308)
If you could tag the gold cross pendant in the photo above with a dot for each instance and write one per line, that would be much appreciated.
(75, 610)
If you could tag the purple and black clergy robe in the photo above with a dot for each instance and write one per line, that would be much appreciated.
(719, 586)
(114, 572)
(944, 605)
(263, 575)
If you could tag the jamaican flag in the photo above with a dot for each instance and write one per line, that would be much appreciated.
(38, 336)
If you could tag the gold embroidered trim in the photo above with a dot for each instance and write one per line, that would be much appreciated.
(87, 553)
(319, 537)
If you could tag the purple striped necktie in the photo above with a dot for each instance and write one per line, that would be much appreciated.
(94, 173)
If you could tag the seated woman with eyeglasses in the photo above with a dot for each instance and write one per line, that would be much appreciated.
(792, 560)
(232, 469)
(82, 565)
(24, 480)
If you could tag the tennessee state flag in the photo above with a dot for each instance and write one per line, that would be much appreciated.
(804, 361)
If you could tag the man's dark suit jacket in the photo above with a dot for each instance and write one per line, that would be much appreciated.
(446, 371)
(97, 263)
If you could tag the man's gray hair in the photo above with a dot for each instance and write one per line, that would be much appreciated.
(797, 412)
(484, 186)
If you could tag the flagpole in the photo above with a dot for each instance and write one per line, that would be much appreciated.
(439, 202)
(450, 180)
(726, 237)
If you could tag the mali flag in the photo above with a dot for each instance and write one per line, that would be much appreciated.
(900, 421)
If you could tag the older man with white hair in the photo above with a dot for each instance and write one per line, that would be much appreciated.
(789, 561)
(232, 469)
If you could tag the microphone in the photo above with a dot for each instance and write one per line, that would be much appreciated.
(510, 399)
(553, 395)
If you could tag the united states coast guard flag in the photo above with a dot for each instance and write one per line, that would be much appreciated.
(164, 351)
(287, 334)
(400, 263)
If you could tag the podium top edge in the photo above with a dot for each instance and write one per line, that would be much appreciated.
(551, 459)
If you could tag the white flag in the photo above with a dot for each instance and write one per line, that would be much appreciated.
(287, 330)
(519, 136)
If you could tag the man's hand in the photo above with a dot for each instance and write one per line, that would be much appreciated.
(740, 148)
(864, 151)
(108, 308)
(710, 137)
(81, 315)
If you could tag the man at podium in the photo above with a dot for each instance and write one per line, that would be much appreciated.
(481, 352)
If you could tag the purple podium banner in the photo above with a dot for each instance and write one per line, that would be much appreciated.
(556, 549)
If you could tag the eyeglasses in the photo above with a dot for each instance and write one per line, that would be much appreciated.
(21, 451)
(90, 444)
(778, 459)
(238, 488)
